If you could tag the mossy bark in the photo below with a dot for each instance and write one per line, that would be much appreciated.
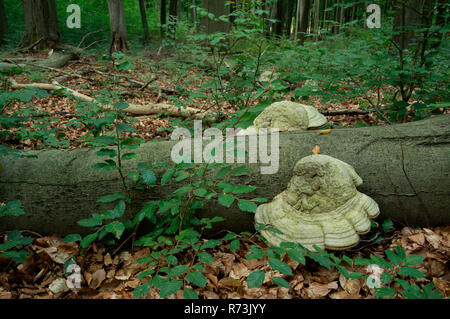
(405, 169)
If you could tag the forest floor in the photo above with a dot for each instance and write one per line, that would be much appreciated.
(108, 275)
(94, 75)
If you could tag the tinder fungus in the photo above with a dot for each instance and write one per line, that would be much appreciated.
(286, 116)
(321, 206)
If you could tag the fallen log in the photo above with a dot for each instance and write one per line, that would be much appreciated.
(60, 187)
(59, 58)
(147, 109)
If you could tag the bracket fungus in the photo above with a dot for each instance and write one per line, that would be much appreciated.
(321, 206)
(286, 116)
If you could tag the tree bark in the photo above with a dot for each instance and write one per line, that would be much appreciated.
(407, 18)
(118, 27)
(290, 16)
(279, 25)
(3, 23)
(316, 19)
(163, 16)
(218, 8)
(304, 20)
(144, 21)
(173, 17)
(41, 24)
(60, 187)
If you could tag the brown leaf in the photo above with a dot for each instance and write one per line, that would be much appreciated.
(107, 260)
(316, 290)
(418, 238)
(97, 278)
(316, 149)
(239, 271)
(352, 286)
(343, 295)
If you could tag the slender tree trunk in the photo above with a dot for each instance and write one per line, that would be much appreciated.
(290, 16)
(118, 26)
(407, 17)
(304, 20)
(278, 27)
(3, 24)
(163, 16)
(144, 21)
(173, 17)
(316, 18)
(324, 22)
(41, 23)
(218, 8)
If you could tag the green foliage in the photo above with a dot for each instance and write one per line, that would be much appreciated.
(12, 248)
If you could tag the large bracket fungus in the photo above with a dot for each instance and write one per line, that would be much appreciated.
(286, 116)
(321, 206)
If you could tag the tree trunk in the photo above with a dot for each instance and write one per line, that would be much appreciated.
(407, 18)
(3, 24)
(173, 17)
(304, 20)
(60, 187)
(118, 26)
(144, 21)
(316, 19)
(41, 23)
(279, 25)
(290, 16)
(218, 8)
(163, 16)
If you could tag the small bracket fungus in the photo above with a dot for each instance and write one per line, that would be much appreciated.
(321, 206)
(286, 116)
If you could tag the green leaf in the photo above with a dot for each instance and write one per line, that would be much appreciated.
(200, 192)
(111, 198)
(396, 260)
(17, 256)
(167, 176)
(107, 152)
(384, 292)
(247, 206)
(322, 260)
(206, 258)
(90, 222)
(149, 177)
(430, 292)
(88, 240)
(210, 244)
(177, 271)
(104, 140)
(234, 245)
(255, 279)
(71, 238)
(172, 260)
(281, 282)
(386, 278)
(120, 105)
(297, 256)
(413, 260)
(170, 288)
(387, 225)
(281, 266)
(243, 189)
(411, 272)
(226, 200)
(142, 290)
(190, 294)
(129, 156)
(401, 253)
(197, 278)
(116, 228)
